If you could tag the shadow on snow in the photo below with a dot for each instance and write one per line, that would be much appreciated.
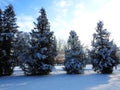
(57, 80)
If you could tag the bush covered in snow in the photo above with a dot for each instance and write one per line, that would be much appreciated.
(103, 51)
(74, 55)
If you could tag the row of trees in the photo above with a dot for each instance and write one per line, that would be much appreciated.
(35, 52)
(102, 55)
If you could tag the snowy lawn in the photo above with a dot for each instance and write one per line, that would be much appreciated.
(59, 80)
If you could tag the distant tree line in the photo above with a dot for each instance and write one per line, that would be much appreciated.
(38, 51)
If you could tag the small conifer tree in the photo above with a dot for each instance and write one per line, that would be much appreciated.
(103, 51)
(74, 55)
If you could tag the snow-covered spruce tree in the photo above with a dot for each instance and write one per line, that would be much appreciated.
(42, 52)
(1, 42)
(74, 55)
(103, 51)
(9, 28)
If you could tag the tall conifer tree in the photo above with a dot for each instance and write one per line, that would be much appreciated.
(42, 47)
(9, 27)
(1, 42)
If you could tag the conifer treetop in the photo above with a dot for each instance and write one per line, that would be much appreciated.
(9, 11)
(9, 19)
(73, 41)
(0, 11)
(101, 35)
(42, 22)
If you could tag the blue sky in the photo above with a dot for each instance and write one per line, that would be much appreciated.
(66, 15)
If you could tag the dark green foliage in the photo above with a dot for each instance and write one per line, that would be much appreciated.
(103, 51)
(21, 47)
(43, 48)
(74, 55)
(7, 29)
(1, 40)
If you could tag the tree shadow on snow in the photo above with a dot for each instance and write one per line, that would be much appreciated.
(54, 81)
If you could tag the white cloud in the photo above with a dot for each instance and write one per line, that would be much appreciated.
(62, 26)
(59, 24)
(25, 23)
(82, 20)
(85, 21)
(110, 14)
(61, 7)
(62, 3)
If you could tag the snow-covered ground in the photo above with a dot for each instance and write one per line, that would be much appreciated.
(59, 80)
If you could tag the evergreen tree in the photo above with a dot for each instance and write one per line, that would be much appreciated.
(103, 52)
(1, 21)
(41, 58)
(74, 55)
(1, 42)
(9, 28)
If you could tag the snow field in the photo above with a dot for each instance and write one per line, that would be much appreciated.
(59, 80)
